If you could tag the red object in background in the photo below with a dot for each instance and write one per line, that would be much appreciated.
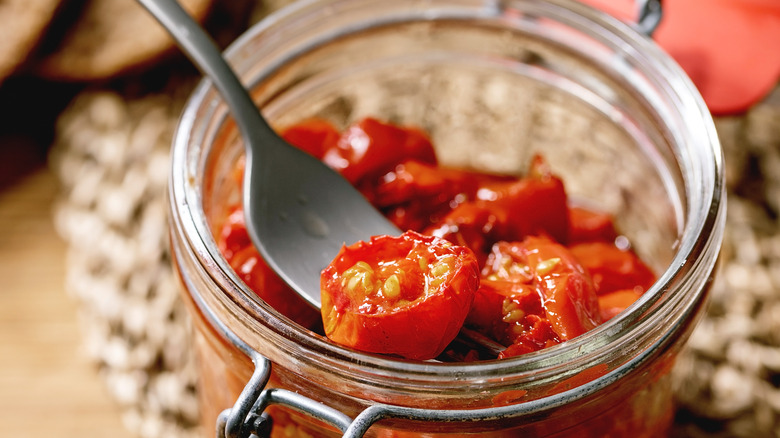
(729, 48)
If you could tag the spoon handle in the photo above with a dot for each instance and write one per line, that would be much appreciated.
(299, 212)
(203, 52)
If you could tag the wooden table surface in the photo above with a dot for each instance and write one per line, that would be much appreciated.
(48, 387)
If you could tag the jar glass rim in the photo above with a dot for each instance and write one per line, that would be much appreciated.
(701, 234)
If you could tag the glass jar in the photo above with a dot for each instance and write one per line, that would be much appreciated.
(492, 82)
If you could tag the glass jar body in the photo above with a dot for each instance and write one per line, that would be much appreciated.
(640, 404)
(493, 83)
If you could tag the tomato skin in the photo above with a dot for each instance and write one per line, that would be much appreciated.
(412, 216)
(315, 136)
(512, 312)
(570, 297)
(467, 225)
(259, 277)
(417, 182)
(430, 316)
(567, 293)
(234, 243)
(233, 236)
(533, 205)
(416, 195)
(411, 181)
(508, 211)
(370, 148)
(616, 301)
(586, 225)
(612, 268)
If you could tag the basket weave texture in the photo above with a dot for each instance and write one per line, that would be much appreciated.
(112, 157)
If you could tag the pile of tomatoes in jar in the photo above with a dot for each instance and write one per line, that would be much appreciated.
(508, 258)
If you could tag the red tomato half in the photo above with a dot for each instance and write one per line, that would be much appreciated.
(417, 182)
(233, 236)
(509, 211)
(612, 268)
(314, 136)
(569, 295)
(234, 243)
(587, 225)
(512, 313)
(615, 302)
(564, 288)
(406, 295)
(416, 195)
(371, 148)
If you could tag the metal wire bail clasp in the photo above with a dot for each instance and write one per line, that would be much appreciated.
(241, 420)
(247, 417)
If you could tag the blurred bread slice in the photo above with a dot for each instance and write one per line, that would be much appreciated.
(22, 24)
(108, 38)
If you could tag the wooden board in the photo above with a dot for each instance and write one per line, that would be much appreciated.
(48, 387)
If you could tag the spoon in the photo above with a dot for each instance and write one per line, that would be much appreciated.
(299, 212)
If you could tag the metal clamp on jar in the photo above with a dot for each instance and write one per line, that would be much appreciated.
(610, 111)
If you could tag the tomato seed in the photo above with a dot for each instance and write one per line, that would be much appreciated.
(392, 287)
(361, 275)
(546, 266)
